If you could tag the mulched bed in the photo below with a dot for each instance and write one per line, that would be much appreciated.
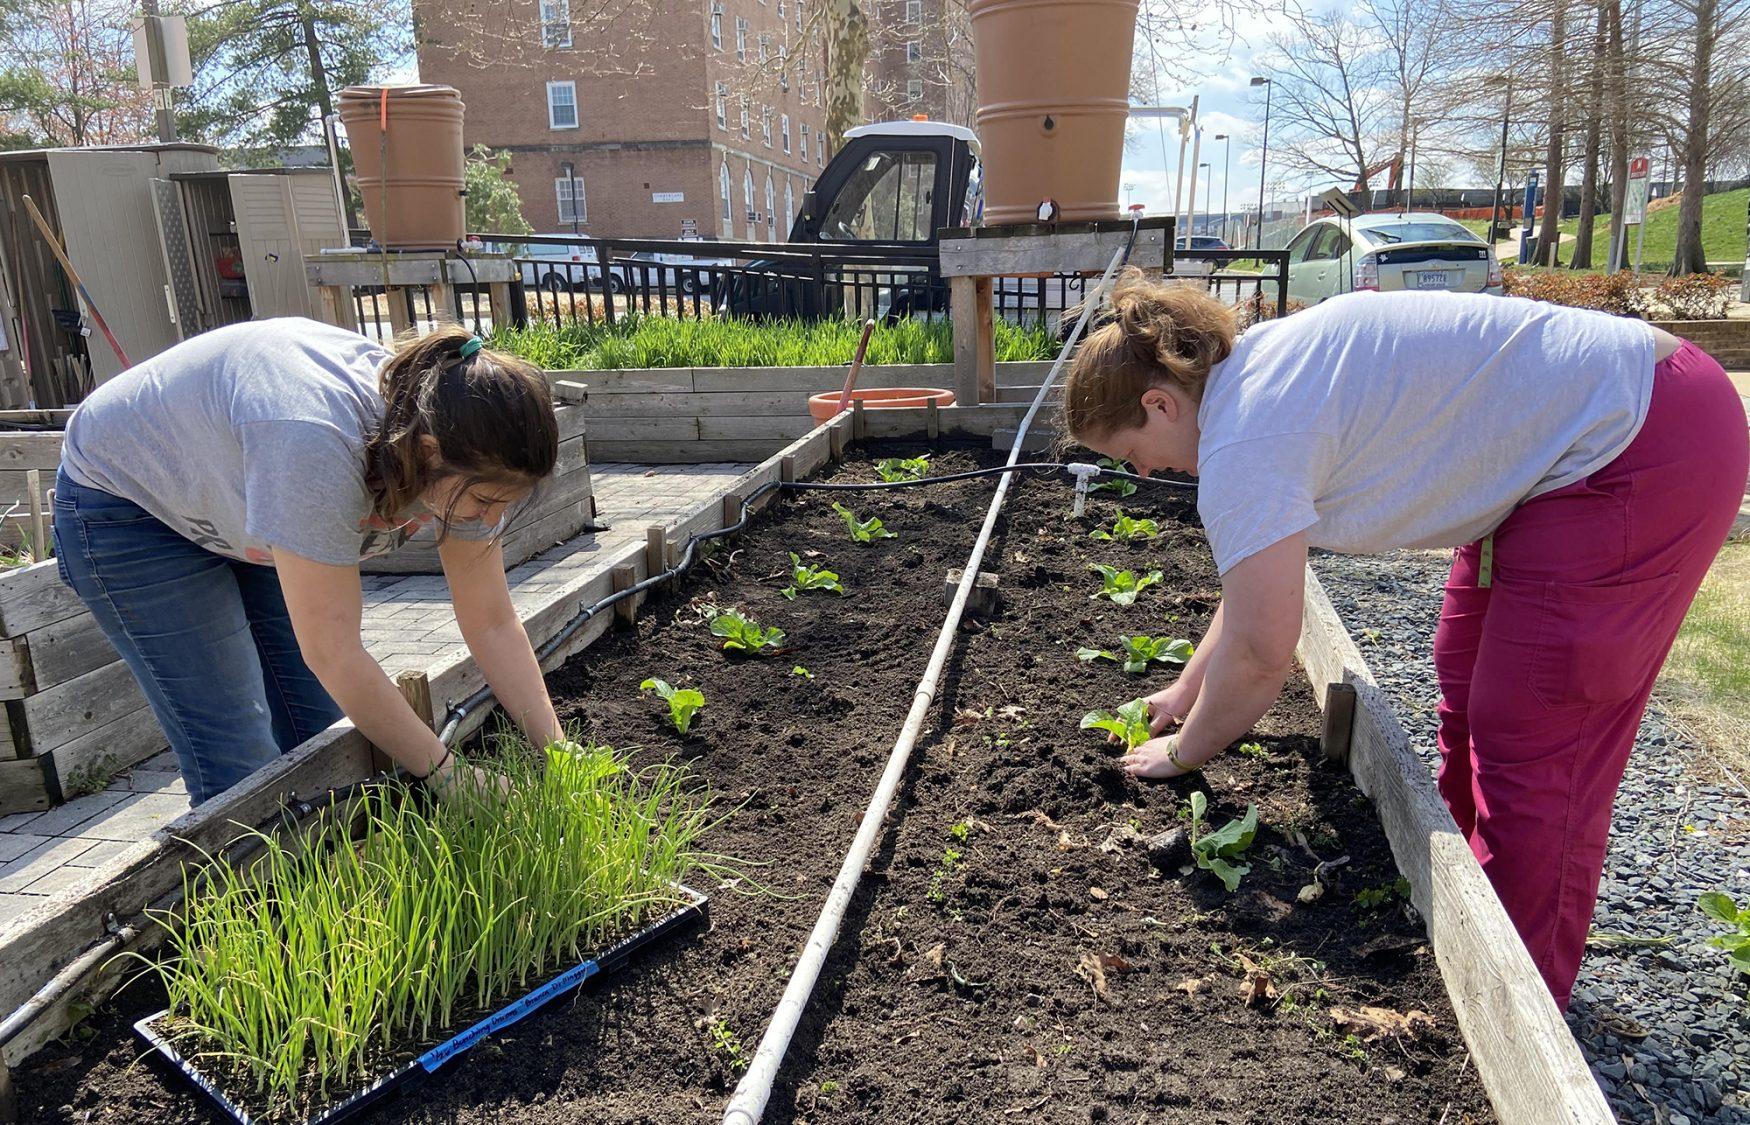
(1051, 972)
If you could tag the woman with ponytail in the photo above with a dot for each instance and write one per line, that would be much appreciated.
(214, 503)
(1584, 468)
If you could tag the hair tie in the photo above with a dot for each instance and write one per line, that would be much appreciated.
(469, 346)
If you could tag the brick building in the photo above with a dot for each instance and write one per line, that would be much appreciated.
(920, 61)
(676, 116)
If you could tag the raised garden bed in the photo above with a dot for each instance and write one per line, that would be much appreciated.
(1051, 969)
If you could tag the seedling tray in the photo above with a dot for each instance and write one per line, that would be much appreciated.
(415, 1070)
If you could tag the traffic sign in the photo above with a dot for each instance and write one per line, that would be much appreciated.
(1634, 205)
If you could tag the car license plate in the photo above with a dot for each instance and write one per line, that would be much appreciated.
(1431, 279)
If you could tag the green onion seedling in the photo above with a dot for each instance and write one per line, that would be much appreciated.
(1217, 851)
(1139, 652)
(804, 577)
(683, 703)
(896, 469)
(742, 633)
(1129, 724)
(1124, 528)
(1122, 586)
(862, 531)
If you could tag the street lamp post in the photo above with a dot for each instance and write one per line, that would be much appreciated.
(1410, 188)
(570, 173)
(1208, 191)
(1263, 160)
(1226, 160)
(1501, 176)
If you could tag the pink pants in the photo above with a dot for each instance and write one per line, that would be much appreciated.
(1545, 670)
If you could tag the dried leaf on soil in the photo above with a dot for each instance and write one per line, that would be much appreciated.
(1258, 988)
(1119, 837)
(1377, 1023)
(1191, 986)
(1039, 819)
(1092, 970)
(1098, 894)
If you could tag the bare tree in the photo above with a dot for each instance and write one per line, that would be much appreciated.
(1327, 109)
(68, 75)
(1707, 21)
(1593, 121)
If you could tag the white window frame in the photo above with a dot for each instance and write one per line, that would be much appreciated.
(723, 189)
(562, 195)
(804, 153)
(747, 197)
(914, 51)
(914, 89)
(766, 125)
(765, 46)
(789, 206)
(555, 16)
(799, 15)
(722, 97)
(576, 115)
(771, 208)
(741, 38)
(914, 12)
(784, 131)
(781, 12)
(744, 118)
(717, 26)
(783, 63)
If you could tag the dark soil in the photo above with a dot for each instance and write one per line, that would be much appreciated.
(1040, 977)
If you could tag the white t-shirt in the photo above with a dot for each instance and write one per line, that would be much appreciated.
(1385, 420)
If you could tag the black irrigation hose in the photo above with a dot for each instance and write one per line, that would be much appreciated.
(460, 711)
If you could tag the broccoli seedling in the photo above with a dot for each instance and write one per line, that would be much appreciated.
(895, 469)
(1122, 586)
(683, 703)
(742, 633)
(1126, 528)
(1129, 724)
(1138, 652)
(1216, 851)
(799, 670)
(862, 531)
(804, 577)
(1122, 488)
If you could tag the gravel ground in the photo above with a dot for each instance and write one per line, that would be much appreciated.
(1665, 1026)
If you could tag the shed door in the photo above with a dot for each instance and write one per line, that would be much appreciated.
(178, 259)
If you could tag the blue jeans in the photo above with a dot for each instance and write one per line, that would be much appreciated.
(209, 639)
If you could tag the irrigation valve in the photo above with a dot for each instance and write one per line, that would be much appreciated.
(1083, 474)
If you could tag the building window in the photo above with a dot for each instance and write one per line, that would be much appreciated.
(805, 144)
(765, 47)
(914, 11)
(717, 26)
(784, 131)
(771, 209)
(747, 197)
(556, 23)
(783, 64)
(741, 38)
(766, 125)
(723, 190)
(573, 203)
(561, 105)
(820, 154)
(780, 11)
(789, 205)
(722, 106)
(744, 133)
(914, 88)
(798, 15)
(914, 51)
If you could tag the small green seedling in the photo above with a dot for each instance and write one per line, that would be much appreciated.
(895, 469)
(862, 531)
(961, 830)
(1122, 586)
(799, 670)
(742, 633)
(1254, 750)
(1382, 896)
(804, 578)
(1216, 851)
(725, 1042)
(950, 860)
(1138, 652)
(1736, 943)
(683, 703)
(1129, 724)
(1122, 487)
(1125, 528)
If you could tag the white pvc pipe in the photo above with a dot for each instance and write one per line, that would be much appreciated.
(748, 1104)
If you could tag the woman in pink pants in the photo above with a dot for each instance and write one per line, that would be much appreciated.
(1586, 468)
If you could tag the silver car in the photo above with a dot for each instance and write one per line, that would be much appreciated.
(1413, 250)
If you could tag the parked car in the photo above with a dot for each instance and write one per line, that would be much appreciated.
(674, 272)
(561, 266)
(1389, 252)
(1205, 242)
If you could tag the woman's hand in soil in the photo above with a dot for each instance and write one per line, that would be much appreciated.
(458, 781)
(1169, 706)
(1153, 760)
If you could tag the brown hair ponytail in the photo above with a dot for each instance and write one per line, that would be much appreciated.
(491, 415)
(1154, 335)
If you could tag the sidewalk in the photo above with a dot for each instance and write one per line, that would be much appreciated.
(408, 624)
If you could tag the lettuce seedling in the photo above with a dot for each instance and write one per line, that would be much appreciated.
(1216, 851)
(1721, 908)
(742, 633)
(1138, 652)
(1129, 724)
(895, 469)
(1122, 487)
(804, 577)
(1122, 586)
(1126, 528)
(683, 703)
(862, 531)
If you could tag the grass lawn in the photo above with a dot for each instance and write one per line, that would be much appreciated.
(1722, 231)
(1706, 681)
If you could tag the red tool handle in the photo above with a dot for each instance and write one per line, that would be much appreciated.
(856, 366)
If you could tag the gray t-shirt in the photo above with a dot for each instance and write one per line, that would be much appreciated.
(245, 438)
(1384, 420)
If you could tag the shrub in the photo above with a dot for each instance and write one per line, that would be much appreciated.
(1697, 296)
(1617, 293)
(1259, 307)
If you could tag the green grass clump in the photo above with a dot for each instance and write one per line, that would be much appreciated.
(1722, 232)
(324, 964)
(657, 341)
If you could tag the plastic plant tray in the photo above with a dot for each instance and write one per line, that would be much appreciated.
(414, 1070)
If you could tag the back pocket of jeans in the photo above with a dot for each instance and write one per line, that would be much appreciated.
(1599, 644)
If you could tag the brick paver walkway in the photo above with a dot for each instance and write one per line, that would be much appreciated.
(408, 625)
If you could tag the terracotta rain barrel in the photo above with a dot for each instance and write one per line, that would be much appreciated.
(1053, 98)
(406, 144)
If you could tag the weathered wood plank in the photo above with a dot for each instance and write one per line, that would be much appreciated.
(16, 676)
(115, 745)
(80, 706)
(30, 451)
(771, 426)
(34, 596)
(963, 421)
(682, 452)
(605, 408)
(665, 380)
(1526, 1057)
(1021, 255)
(573, 422)
(621, 430)
(63, 649)
(22, 788)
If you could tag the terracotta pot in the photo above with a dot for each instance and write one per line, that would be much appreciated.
(823, 406)
(1053, 98)
(407, 156)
